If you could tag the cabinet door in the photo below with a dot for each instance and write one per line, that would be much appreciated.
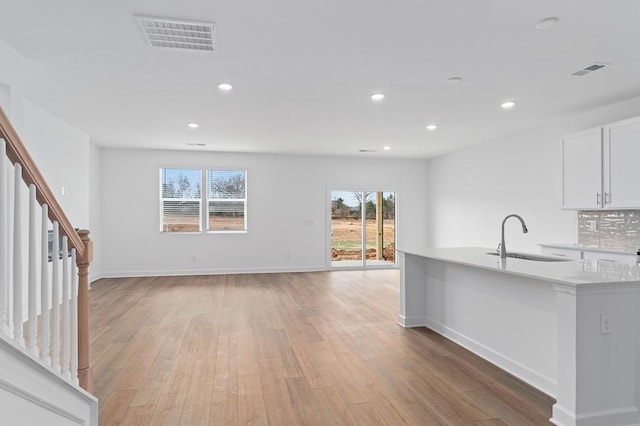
(622, 164)
(582, 170)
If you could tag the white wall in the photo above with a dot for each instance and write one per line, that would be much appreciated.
(12, 74)
(95, 210)
(61, 152)
(471, 191)
(5, 98)
(287, 211)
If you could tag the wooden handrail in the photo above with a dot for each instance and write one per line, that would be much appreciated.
(85, 370)
(17, 153)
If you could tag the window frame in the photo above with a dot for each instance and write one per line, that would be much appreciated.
(203, 202)
(163, 199)
(207, 200)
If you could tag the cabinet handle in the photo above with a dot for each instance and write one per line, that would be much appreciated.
(606, 198)
(559, 254)
(597, 198)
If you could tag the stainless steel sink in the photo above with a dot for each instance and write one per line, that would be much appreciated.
(534, 257)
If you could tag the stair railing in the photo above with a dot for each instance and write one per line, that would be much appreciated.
(48, 262)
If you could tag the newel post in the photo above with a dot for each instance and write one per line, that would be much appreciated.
(85, 373)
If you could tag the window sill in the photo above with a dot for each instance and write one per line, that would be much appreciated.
(226, 232)
(181, 233)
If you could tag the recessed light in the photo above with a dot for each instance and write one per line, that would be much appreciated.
(432, 127)
(193, 125)
(387, 148)
(508, 105)
(545, 23)
(225, 87)
(454, 80)
(377, 97)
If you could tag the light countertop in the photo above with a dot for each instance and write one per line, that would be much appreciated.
(583, 248)
(573, 272)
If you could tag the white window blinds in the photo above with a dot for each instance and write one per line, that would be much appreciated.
(181, 199)
(226, 200)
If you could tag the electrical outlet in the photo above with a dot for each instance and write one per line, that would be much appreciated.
(605, 324)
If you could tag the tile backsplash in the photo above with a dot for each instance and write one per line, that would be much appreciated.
(610, 229)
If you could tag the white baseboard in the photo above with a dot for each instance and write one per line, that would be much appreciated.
(409, 322)
(535, 379)
(217, 271)
(95, 277)
(30, 393)
(15, 395)
(625, 416)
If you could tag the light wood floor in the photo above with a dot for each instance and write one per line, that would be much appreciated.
(287, 349)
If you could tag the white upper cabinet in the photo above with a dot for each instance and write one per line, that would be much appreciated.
(622, 164)
(582, 171)
(600, 167)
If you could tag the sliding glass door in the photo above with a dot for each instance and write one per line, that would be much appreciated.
(362, 229)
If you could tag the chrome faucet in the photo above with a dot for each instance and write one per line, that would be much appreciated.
(503, 249)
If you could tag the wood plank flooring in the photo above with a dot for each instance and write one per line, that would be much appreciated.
(287, 349)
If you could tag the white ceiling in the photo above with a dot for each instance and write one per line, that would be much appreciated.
(303, 71)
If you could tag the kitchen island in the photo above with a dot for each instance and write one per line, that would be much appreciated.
(570, 329)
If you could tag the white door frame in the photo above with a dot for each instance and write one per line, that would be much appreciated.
(352, 188)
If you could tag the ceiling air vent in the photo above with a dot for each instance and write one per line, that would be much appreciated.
(591, 68)
(178, 34)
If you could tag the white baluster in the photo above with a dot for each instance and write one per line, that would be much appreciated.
(44, 287)
(4, 242)
(74, 317)
(65, 307)
(17, 257)
(32, 338)
(55, 299)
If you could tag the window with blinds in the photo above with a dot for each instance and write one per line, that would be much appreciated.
(226, 200)
(180, 200)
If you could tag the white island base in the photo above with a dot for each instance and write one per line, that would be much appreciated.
(570, 329)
